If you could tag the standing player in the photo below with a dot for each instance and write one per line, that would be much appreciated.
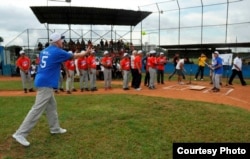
(107, 64)
(70, 73)
(92, 70)
(218, 70)
(237, 70)
(161, 61)
(180, 70)
(82, 65)
(138, 70)
(152, 64)
(46, 80)
(125, 67)
(23, 62)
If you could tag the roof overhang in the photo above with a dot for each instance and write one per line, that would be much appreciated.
(88, 15)
(205, 46)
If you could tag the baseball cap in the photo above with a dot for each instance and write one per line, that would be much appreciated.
(21, 52)
(152, 52)
(216, 52)
(161, 53)
(139, 52)
(125, 54)
(105, 52)
(54, 37)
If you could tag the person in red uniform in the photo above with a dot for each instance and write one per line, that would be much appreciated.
(23, 63)
(125, 67)
(70, 72)
(152, 64)
(82, 64)
(161, 61)
(92, 70)
(138, 70)
(107, 63)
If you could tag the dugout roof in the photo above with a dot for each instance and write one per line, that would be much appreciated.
(88, 15)
(211, 45)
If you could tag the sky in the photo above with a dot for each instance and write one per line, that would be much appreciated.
(16, 19)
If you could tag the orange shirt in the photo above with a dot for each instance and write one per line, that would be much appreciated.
(125, 64)
(138, 62)
(82, 63)
(161, 61)
(91, 62)
(107, 62)
(70, 65)
(152, 62)
(23, 63)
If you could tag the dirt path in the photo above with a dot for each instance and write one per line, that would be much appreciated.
(235, 96)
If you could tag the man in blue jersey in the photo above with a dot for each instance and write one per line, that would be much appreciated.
(217, 67)
(46, 81)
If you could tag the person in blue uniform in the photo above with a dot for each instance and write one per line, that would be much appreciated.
(46, 81)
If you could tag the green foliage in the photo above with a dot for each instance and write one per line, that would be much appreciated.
(120, 126)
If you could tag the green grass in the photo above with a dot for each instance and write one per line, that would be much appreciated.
(120, 126)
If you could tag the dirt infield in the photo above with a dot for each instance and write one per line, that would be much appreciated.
(235, 95)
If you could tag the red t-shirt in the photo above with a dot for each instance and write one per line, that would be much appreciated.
(70, 65)
(82, 63)
(23, 63)
(138, 62)
(161, 61)
(107, 62)
(91, 62)
(125, 64)
(152, 62)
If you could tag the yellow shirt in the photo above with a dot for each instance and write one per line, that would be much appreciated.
(202, 60)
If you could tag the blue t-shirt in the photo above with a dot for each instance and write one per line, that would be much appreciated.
(218, 61)
(48, 73)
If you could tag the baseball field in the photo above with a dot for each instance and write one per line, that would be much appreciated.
(126, 124)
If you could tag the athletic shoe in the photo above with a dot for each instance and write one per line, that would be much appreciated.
(138, 89)
(216, 90)
(74, 90)
(25, 90)
(61, 89)
(181, 83)
(86, 89)
(31, 90)
(60, 131)
(195, 79)
(68, 92)
(201, 79)
(21, 140)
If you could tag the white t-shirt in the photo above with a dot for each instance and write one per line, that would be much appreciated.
(179, 63)
(238, 62)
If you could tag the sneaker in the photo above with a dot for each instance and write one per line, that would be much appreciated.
(216, 90)
(74, 90)
(181, 83)
(21, 140)
(31, 90)
(81, 89)
(68, 92)
(202, 79)
(61, 89)
(60, 131)
(25, 90)
(86, 89)
(195, 79)
(138, 89)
